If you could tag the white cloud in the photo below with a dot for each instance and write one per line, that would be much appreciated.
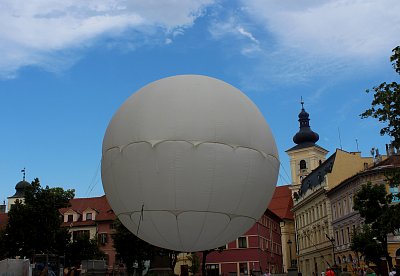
(231, 27)
(247, 34)
(299, 42)
(37, 32)
(344, 28)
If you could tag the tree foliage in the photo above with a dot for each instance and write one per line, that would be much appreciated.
(364, 243)
(386, 103)
(83, 248)
(205, 253)
(375, 206)
(3, 248)
(194, 259)
(131, 249)
(34, 226)
(395, 59)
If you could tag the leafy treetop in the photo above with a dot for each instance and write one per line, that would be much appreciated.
(386, 103)
(34, 225)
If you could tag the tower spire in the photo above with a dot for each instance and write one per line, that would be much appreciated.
(305, 135)
(302, 102)
(23, 174)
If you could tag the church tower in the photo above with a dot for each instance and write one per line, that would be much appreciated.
(306, 155)
(19, 192)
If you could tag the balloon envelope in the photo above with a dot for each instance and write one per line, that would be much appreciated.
(189, 163)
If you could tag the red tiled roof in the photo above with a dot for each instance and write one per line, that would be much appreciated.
(282, 202)
(100, 204)
(3, 220)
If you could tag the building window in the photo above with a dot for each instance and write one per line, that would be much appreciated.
(303, 165)
(103, 238)
(212, 270)
(351, 202)
(81, 234)
(348, 235)
(243, 269)
(395, 193)
(334, 211)
(342, 232)
(337, 238)
(88, 216)
(242, 242)
(113, 225)
(70, 218)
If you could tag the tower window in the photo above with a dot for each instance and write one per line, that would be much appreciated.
(303, 165)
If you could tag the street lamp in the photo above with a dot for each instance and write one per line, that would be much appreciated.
(332, 240)
(289, 242)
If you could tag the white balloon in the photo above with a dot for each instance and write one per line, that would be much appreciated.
(189, 163)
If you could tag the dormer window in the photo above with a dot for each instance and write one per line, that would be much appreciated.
(89, 214)
(70, 218)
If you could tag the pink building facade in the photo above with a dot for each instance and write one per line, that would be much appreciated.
(95, 218)
(257, 251)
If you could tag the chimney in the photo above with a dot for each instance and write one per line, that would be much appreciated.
(390, 150)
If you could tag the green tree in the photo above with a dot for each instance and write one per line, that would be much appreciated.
(386, 103)
(375, 206)
(83, 248)
(131, 249)
(363, 242)
(3, 248)
(34, 226)
(194, 259)
(205, 253)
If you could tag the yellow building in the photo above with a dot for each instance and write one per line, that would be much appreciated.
(183, 264)
(312, 176)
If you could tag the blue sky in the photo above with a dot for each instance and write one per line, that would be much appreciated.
(66, 67)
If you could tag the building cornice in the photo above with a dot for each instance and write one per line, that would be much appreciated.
(308, 197)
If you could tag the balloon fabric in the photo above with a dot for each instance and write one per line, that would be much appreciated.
(189, 163)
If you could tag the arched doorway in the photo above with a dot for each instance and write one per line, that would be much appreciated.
(398, 257)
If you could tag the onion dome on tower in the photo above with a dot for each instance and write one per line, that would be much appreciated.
(305, 136)
(20, 187)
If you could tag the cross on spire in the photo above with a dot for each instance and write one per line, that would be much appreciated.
(23, 174)
(302, 102)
